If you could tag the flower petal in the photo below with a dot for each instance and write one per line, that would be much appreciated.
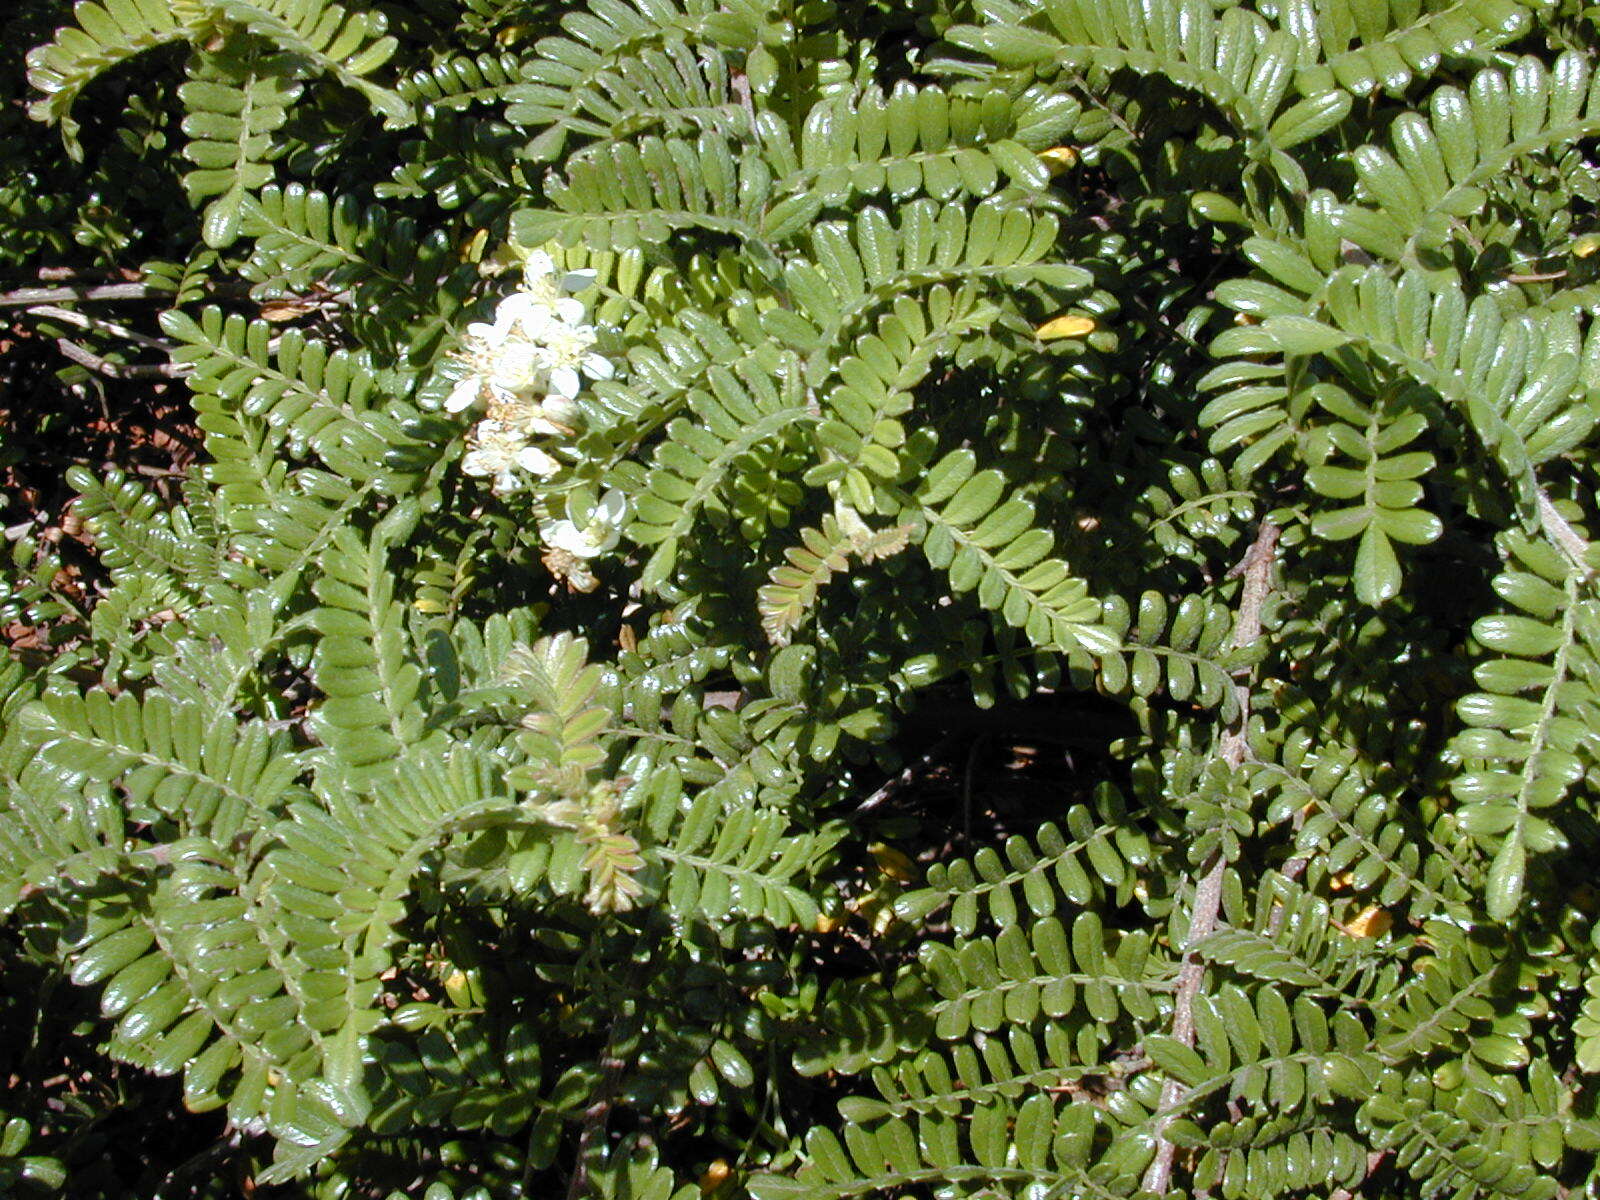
(598, 366)
(537, 462)
(544, 426)
(464, 395)
(564, 535)
(538, 264)
(561, 408)
(523, 314)
(516, 367)
(565, 380)
(613, 507)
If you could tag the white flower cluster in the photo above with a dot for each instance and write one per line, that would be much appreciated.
(569, 544)
(526, 368)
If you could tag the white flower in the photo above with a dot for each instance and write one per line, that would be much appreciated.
(536, 462)
(528, 348)
(600, 533)
(552, 417)
(500, 450)
(564, 353)
(560, 408)
(500, 363)
(522, 314)
(479, 348)
(539, 283)
(537, 342)
(464, 394)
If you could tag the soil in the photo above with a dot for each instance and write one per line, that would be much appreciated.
(53, 416)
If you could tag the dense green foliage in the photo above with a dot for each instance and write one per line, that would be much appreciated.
(1218, 377)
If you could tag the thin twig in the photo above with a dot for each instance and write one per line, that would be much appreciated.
(1559, 531)
(69, 316)
(966, 787)
(1235, 747)
(1292, 870)
(207, 1160)
(1374, 1161)
(597, 1115)
(73, 275)
(29, 296)
(1089, 94)
(594, 1123)
(906, 777)
(120, 370)
(739, 85)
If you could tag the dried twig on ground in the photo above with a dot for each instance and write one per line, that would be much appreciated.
(115, 370)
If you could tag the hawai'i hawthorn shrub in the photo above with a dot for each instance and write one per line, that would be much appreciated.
(652, 447)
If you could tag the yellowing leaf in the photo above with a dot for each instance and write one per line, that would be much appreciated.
(892, 862)
(716, 1174)
(1370, 922)
(471, 249)
(465, 988)
(1058, 158)
(1066, 326)
(290, 309)
(1586, 245)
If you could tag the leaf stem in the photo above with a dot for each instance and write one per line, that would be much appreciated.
(1256, 568)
